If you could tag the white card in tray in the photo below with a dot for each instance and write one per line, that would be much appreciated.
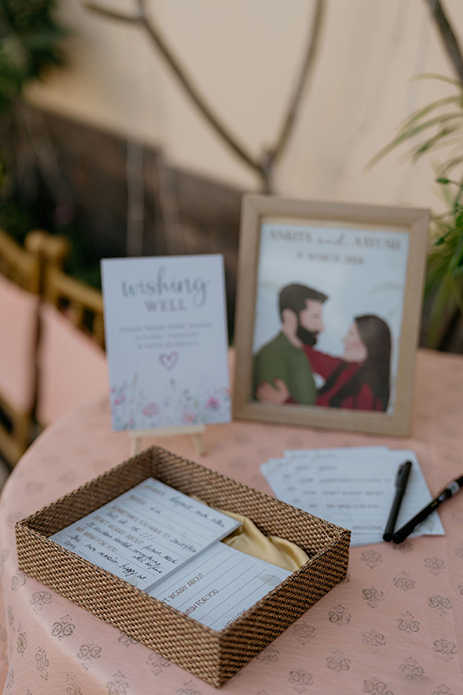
(146, 534)
(219, 585)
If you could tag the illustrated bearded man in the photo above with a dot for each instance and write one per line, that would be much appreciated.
(283, 358)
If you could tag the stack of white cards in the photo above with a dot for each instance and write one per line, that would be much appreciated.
(351, 487)
(167, 544)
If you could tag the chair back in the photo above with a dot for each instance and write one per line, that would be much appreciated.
(51, 344)
(71, 359)
(72, 367)
(20, 274)
(19, 265)
(82, 304)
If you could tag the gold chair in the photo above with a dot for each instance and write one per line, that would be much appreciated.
(71, 360)
(20, 273)
(33, 289)
(21, 266)
(82, 304)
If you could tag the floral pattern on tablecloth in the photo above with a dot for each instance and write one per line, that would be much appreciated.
(393, 627)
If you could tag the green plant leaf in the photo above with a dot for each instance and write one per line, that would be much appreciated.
(417, 115)
(429, 144)
(407, 131)
(440, 311)
(438, 120)
(436, 76)
(441, 239)
(451, 164)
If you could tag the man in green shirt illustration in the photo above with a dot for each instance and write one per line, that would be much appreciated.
(301, 312)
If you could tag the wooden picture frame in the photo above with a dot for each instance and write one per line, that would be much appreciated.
(380, 254)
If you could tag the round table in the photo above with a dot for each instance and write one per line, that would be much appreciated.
(393, 627)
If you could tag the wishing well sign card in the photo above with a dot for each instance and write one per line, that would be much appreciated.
(146, 534)
(166, 340)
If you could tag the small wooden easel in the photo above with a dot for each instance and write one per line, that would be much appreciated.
(196, 431)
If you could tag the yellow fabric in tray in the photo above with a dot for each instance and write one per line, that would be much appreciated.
(248, 539)
(277, 551)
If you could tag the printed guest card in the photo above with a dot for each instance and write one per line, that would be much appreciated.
(219, 585)
(351, 487)
(146, 534)
(166, 340)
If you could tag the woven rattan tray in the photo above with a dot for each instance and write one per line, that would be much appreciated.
(213, 656)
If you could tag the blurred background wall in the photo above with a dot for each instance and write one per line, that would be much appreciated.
(245, 55)
(108, 150)
(111, 152)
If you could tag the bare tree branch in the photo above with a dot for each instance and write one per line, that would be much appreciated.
(110, 14)
(183, 77)
(448, 36)
(263, 165)
(305, 73)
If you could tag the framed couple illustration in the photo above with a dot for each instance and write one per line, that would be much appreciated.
(328, 313)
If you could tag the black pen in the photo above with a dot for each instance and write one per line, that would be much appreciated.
(401, 481)
(451, 489)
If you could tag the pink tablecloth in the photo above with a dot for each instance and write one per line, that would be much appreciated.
(394, 627)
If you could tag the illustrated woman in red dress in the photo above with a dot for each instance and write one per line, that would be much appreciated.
(358, 380)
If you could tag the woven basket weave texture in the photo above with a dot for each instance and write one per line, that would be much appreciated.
(210, 655)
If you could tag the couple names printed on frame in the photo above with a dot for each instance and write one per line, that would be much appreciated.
(328, 313)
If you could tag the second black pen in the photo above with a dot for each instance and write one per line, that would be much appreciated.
(451, 489)
(401, 481)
